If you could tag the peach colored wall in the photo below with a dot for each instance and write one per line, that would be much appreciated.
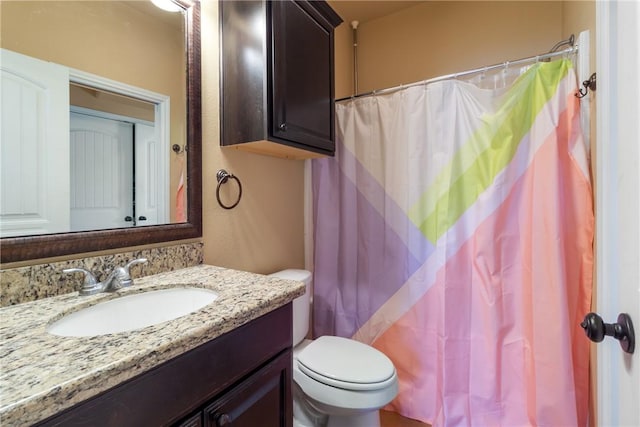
(80, 96)
(343, 54)
(106, 38)
(437, 38)
(578, 16)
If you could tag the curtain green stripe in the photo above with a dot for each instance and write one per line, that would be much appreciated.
(489, 150)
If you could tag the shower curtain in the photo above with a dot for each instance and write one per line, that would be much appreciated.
(453, 231)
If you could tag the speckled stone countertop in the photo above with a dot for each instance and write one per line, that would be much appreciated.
(42, 374)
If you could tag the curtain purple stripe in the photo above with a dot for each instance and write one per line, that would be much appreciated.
(415, 240)
(359, 260)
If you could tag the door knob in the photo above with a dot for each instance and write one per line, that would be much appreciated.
(128, 218)
(596, 330)
(223, 420)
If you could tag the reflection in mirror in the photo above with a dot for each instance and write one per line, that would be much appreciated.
(117, 173)
(117, 162)
(93, 99)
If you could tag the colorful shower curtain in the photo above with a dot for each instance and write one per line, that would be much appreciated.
(453, 231)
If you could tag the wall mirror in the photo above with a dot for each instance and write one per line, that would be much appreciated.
(101, 126)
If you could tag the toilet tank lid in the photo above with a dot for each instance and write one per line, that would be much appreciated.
(293, 274)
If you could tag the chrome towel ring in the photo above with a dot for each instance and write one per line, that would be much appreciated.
(223, 176)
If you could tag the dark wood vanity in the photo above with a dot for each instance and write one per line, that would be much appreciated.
(241, 378)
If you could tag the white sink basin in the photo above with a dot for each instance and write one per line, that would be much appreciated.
(132, 312)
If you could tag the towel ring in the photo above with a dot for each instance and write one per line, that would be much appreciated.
(223, 176)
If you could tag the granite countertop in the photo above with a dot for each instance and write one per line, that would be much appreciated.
(42, 374)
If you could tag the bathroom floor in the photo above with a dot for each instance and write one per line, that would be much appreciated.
(391, 419)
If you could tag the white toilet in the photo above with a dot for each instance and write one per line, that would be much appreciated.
(337, 382)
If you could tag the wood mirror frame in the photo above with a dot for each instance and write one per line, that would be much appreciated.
(13, 249)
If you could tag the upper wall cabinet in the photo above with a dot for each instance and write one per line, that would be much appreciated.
(277, 77)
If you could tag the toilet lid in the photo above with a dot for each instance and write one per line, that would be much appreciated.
(346, 363)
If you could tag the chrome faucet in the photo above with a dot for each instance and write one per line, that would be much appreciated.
(119, 278)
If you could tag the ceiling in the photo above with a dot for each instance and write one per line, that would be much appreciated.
(363, 11)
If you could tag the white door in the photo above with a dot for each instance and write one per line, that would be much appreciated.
(102, 182)
(617, 209)
(34, 146)
(150, 191)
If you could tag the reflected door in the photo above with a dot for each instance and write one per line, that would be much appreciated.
(34, 154)
(150, 197)
(102, 184)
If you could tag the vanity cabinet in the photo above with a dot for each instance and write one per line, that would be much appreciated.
(257, 401)
(277, 77)
(242, 378)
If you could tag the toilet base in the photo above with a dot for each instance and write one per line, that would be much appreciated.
(307, 415)
(304, 415)
(368, 419)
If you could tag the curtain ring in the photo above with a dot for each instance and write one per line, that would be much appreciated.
(223, 176)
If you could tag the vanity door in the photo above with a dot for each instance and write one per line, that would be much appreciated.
(259, 400)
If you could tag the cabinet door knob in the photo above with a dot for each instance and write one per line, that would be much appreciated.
(283, 127)
(142, 218)
(128, 218)
(223, 420)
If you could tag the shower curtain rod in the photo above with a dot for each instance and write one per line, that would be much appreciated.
(505, 65)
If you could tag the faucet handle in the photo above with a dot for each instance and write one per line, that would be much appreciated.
(134, 262)
(90, 285)
(124, 276)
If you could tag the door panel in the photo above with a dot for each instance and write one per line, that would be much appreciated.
(302, 77)
(151, 192)
(101, 173)
(34, 172)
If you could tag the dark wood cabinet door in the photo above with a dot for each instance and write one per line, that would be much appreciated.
(302, 76)
(193, 421)
(263, 399)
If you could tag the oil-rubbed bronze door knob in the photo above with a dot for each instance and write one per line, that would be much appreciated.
(596, 330)
(223, 420)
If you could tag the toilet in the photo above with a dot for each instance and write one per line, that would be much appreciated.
(337, 382)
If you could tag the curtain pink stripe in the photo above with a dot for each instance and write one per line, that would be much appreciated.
(496, 341)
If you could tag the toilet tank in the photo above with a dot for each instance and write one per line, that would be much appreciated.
(301, 305)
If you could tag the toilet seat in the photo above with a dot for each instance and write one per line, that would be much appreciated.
(346, 364)
(338, 400)
(345, 385)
